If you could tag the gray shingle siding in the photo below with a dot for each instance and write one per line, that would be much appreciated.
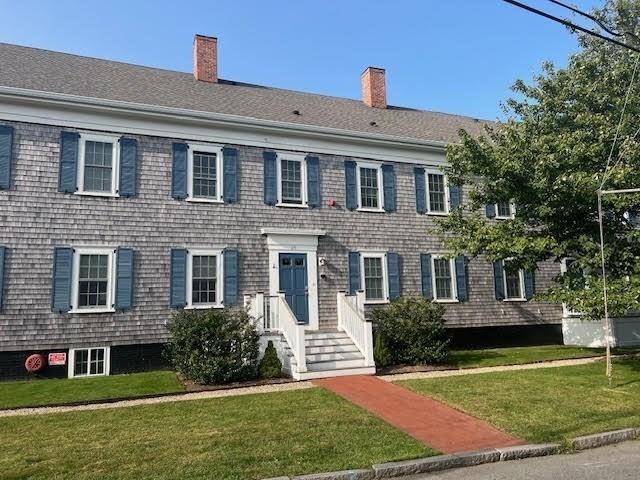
(35, 218)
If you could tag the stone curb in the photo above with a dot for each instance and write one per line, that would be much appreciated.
(605, 438)
(467, 459)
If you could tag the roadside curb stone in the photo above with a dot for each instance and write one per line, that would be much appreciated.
(420, 465)
(605, 438)
(527, 451)
(342, 475)
(478, 457)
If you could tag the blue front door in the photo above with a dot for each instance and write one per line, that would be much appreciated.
(293, 282)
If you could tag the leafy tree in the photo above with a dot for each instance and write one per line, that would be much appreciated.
(549, 156)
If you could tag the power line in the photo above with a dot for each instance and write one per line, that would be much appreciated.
(571, 25)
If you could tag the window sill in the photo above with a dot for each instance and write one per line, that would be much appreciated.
(92, 310)
(376, 302)
(515, 300)
(437, 214)
(504, 218)
(292, 205)
(203, 200)
(370, 210)
(203, 307)
(97, 194)
(89, 375)
(452, 300)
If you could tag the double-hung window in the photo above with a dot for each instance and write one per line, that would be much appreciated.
(444, 285)
(370, 191)
(437, 194)
(292, 180)
(204, 278)
(93, 280)
(374, 277)
(204, 173)
(98, 165)
(513, 282)
(88, 362)
(505, 210)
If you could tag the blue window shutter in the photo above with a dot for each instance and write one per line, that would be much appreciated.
(61, 290)
(421, 192)
(455, 196)
(179, 171)
(68, 173)
(178, 292)
(128, 167)
(461, 278)
(393, 274)
(270, 178)
(498, 279)
(634, 219)
(354, 272)
(425, 272)
(6, 148)
(490, 210)
(230, 179)
(313, 181)
(3, 254)
(350, 184)
(529, 284)
(124, 279)
(230, 277)
(389, 186)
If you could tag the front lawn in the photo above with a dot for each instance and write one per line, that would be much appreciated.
(492, 357)
(247, 437)
(543, 405)
(55, 391)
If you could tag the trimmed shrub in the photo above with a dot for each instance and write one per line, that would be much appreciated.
(214, 346)
(412, 330)
(381, 353)
(270, 365)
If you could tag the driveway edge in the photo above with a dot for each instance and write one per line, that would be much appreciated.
(468, 459)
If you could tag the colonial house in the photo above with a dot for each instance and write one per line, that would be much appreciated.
(127, 192)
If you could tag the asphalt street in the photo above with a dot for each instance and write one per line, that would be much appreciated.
(616, 462)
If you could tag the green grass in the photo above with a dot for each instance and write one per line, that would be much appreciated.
(492, 357)
(54, 391)
(543, 405)
(246, 437)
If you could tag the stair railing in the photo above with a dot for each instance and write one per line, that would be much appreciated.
(352, 321)
(288, 325)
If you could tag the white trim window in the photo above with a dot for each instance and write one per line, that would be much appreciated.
(93, 285)
(98, 165)
(369, 187)
(505, 210)
(373, 277)
(436, 187)
(444, 279)
(89, 362)
(204, 173)
(292, 180)
(205, 278)
(513, 283)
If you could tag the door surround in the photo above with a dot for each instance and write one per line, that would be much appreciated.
(281, 240)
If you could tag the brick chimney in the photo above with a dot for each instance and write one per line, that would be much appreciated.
(205, 58)
(374, 93)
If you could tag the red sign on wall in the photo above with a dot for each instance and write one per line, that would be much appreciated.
(58, 358)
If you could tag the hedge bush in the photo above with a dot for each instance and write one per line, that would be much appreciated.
(411, 331)
(270, 365)
(214, 346)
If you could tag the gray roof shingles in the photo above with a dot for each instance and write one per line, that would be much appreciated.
(43, 70)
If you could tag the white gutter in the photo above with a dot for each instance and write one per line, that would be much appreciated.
(214, 119)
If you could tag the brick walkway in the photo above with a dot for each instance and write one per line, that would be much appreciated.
(441, 427)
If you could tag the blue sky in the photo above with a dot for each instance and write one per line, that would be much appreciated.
(456, 56)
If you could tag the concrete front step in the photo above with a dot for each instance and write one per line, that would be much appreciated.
(333, 356)
(311, 375)
(325, 365)
(321, 342)
(338, 348)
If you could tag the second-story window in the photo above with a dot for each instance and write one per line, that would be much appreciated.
(505, 210)
(204, 181)
(437, 202)
(292, 185)
(98, 164)
(370, 187)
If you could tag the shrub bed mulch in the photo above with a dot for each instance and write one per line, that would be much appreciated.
(191, 386)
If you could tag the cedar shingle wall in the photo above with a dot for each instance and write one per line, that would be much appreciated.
(34, 218)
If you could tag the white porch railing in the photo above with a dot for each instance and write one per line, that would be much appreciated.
(272, 313)
(352, 321)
